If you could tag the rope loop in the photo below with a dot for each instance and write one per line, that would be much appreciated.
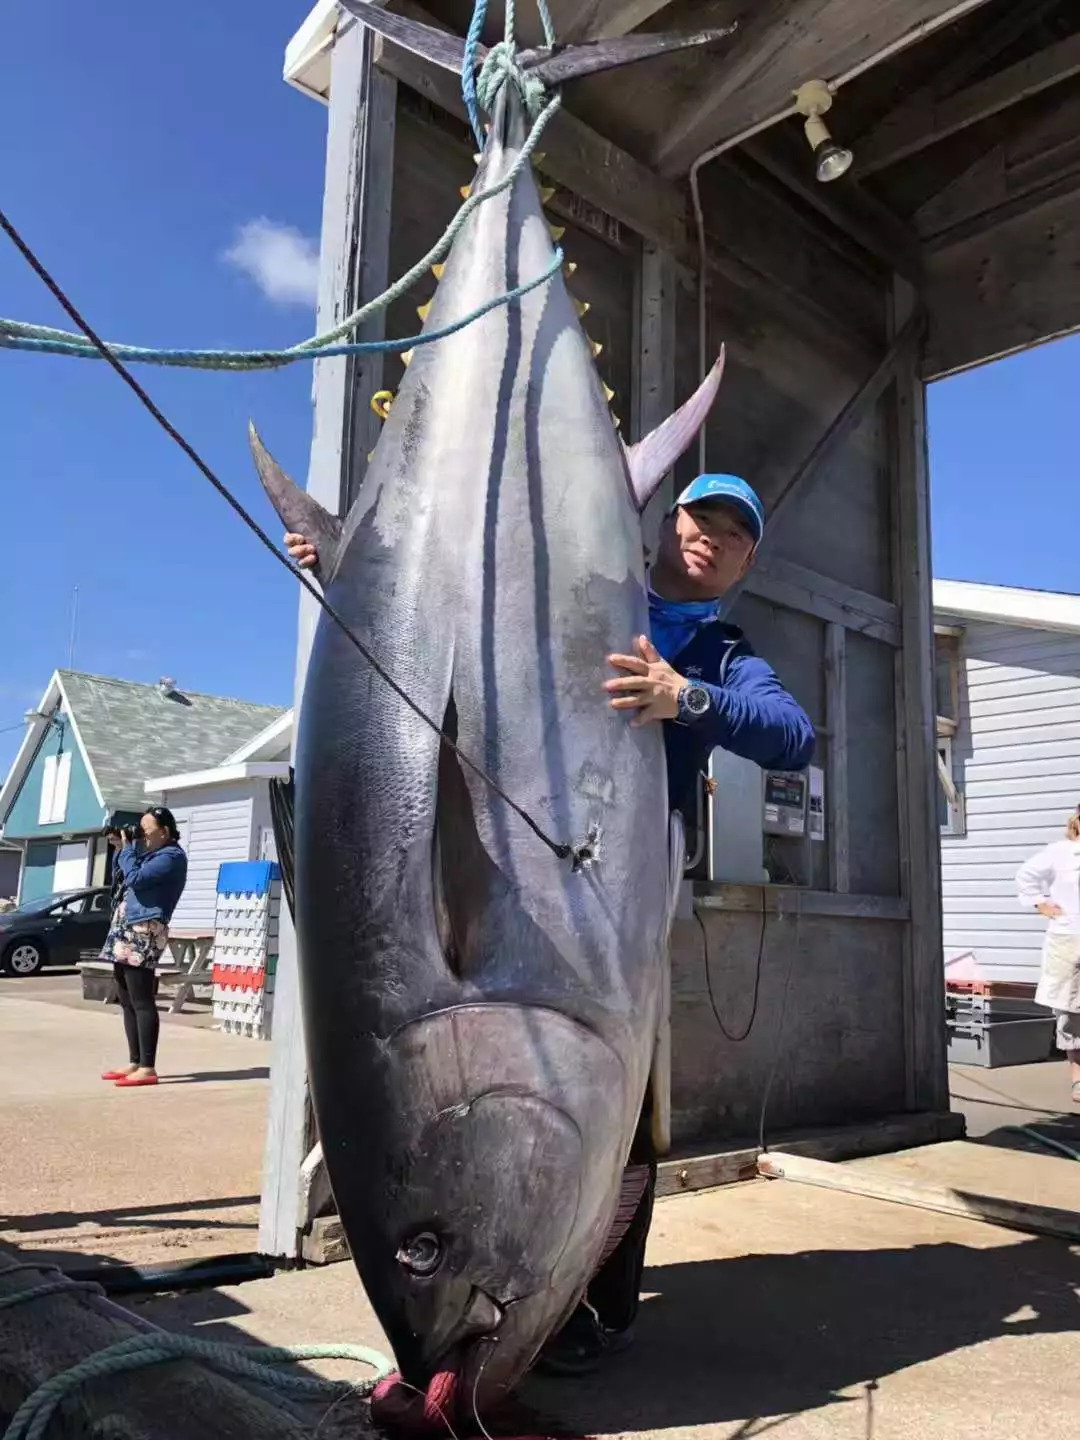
(500, 66)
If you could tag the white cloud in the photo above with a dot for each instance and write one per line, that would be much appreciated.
(283, 262)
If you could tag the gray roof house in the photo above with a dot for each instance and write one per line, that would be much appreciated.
(223, 813)
(90, 746)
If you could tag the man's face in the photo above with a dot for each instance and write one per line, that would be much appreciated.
(708, 547)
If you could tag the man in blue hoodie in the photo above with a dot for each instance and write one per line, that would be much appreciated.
(699, 678)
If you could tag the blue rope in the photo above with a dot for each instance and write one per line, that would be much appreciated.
(32, 1418)
(499, 67)
(468, 68)
(14, 335)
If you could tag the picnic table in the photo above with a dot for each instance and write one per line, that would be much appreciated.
(188, 962)
(192, 952)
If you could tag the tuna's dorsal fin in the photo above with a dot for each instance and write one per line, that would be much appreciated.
(651, 458)
(553, 64)
(298, 511)
(439, 46)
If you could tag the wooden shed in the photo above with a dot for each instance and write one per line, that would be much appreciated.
(949, 241)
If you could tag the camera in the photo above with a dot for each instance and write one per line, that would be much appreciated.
(129, 834)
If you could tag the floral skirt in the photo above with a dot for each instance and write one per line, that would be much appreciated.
(140, 944)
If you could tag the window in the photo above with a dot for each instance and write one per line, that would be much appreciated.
(55, 783)
(951, 817)
(947, 678)
(99, 905)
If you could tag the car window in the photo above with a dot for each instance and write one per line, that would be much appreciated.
(99, 905)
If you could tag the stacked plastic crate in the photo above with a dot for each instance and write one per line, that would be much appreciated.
(246, 946)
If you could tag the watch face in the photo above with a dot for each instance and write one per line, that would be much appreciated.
(697, 700)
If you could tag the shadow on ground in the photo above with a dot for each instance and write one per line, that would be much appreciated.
(163, 1216)
(257, 1072)
(766, 1335)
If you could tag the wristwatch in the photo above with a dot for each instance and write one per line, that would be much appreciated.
(694, 702)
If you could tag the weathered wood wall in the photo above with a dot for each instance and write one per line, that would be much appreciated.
(805, 324)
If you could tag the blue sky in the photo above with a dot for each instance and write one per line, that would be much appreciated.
(141, 148)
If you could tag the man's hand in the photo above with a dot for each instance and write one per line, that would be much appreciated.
(650, 686)
(302, 551)
(1049, 909)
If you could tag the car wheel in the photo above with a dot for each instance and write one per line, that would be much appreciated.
(26, 957)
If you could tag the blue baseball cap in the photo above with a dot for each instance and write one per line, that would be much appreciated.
(734, 492)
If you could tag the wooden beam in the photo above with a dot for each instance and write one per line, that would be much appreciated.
(926, 1077)
(837, 434)
(574, 155)
(1035, 164)
(353, 267)
(608, 19)
(873, 1137)
(991, 1209)
(836, 778)
(910, 134)
(854, 211)
(851, 417)
(781, 44)
(1007, 289)
(788, 900)
(797, 588)
(967, 60)
(654, 370)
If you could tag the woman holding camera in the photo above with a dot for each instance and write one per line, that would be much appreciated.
(153, 871)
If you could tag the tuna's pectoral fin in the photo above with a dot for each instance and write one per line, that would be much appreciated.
(661, 1066)
(299, 512)
(651, 459)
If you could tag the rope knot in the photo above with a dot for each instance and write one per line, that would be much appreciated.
(501, 65)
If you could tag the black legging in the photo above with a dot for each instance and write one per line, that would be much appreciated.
(135, 987)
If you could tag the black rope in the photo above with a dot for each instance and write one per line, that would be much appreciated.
(734, 1039)
(561, 850)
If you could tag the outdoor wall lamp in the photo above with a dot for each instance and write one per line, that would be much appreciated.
(831, 160)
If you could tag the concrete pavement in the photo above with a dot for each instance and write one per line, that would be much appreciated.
(137, 1175)
(770, 1306)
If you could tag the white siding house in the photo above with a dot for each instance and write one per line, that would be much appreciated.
(1008, 689)
(224, 814)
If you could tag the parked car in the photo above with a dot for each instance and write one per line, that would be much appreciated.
(53, 930)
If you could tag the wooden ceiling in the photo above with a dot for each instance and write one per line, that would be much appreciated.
(949, 93)
(962, 115)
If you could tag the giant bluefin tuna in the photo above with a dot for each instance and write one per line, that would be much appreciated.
(480, 1014)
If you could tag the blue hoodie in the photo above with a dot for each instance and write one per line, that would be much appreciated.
(751, 714)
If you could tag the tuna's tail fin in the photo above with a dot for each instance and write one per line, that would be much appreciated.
(552, 64)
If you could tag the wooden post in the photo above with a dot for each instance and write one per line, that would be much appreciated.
(836, 779)
(353, 268)
(654, 370)
(927, 1085)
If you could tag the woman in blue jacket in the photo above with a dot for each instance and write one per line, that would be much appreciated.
(153, 877)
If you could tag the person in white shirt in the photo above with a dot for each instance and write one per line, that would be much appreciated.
(1050, 883)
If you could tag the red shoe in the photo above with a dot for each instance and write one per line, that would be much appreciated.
(132, 1082)
(115, 1074)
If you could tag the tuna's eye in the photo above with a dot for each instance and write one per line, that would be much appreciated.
(421, 1254)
